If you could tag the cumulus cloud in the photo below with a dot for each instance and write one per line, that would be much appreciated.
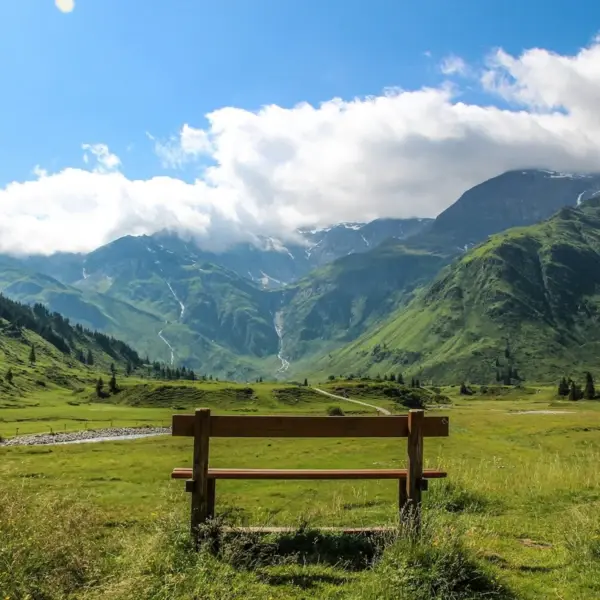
(403, 153)
(65, 6)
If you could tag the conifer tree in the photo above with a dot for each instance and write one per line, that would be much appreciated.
(32, 355)
(112, 384)
(400, 379)
(589, 392)
(9, 376)
(99, 387)
(90, 358)
(112, 368)
(128, 368)
(563, 387)
(574, 391)
(392, 377)
(305, 382)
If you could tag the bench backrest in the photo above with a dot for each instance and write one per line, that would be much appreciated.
(202, 426)
(315, 427)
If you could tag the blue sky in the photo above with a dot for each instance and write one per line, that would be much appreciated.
(114, 69)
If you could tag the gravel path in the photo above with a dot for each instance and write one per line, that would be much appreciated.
(383, 411)
(89, 435)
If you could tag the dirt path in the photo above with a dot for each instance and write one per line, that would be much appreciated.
(383, 411)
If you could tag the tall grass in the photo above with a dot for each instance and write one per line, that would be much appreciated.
(58, 548)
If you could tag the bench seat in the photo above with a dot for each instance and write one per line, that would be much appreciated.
(186, 473)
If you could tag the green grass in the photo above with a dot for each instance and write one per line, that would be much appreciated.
(519, 511)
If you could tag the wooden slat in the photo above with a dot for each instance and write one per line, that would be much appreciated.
(316, 427)
(185, 473)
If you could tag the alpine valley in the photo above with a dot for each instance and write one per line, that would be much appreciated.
(505, 279)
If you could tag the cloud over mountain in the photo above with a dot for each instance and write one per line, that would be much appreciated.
(404, 153)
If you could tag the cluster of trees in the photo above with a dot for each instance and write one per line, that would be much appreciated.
(113, 387)
(414, 382)
(568, 388)
(162, 371)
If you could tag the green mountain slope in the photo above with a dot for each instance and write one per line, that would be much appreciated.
(41, 349)
(532, 293)
(337, 303)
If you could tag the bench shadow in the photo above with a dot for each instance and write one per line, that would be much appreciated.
(252, 550)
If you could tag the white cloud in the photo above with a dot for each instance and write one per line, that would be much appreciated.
(106, 161)
(65, 6)
(400, 154)
(453, 65)
(189, 145)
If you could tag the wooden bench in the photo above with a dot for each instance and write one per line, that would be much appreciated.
(201, 480)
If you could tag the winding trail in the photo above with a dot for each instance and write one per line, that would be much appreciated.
(383, 411)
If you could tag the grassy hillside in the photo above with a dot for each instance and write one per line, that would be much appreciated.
(337, 303)
(529, 297)
(41, 351)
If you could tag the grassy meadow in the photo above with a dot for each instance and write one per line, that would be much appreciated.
(518, 516)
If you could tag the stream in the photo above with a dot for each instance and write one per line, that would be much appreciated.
(278, 323)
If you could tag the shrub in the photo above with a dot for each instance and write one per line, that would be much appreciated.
(335, 411)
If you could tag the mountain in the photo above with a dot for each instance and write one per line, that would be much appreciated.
(336, 303)
(268, 262)
(512, 199)
(272, 307)
(528, 298)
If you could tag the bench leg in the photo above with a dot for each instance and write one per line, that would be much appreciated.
(212, 484)
(200, 471)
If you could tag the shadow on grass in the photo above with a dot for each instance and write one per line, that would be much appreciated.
(251, 550)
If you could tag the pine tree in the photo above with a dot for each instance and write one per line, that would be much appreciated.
(417, 383)
(589, 392)
(112, 368)
(574, 391)
(463, 389)
(128, 368)
(112, 384)
(32, 355)
(412, 382)
(385, 377)
(260, 379)
(99, 387)
(9, 376)
(400, 379)
(563, 387)
(305, 382)
(90, 358)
